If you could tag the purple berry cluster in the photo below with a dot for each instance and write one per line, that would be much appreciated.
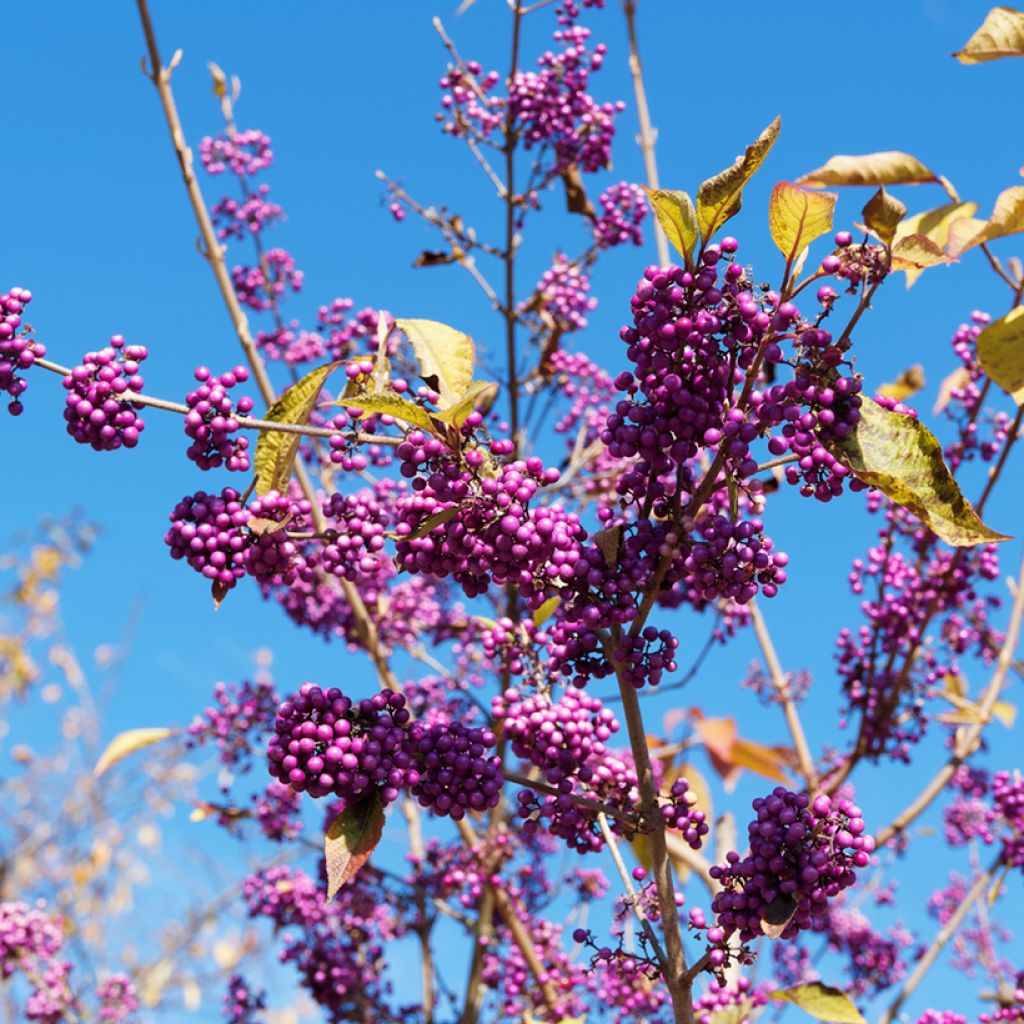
(324, 743)
(118, 999)
(803, 853)
(563, 292)
(18, 350)
(240, 711)
(96, 410)
(1008, 796)
(261, 288)
(623, 209)
(211, 421)
(31, 942)
(208, 532)
(244, 153)
(354, 546)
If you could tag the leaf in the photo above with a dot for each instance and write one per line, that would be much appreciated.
(908, 383)
(608, 542)
(1001, 352)
(821, 1001)
(390, 403)
(1007, 219)
(678, 219)
(955, 381)
(761, 760)
(432, 522)
(546, 610)
(434, 258)
(1005, 713)
(778, 914)
(901, 457)
(576, 198)
(721, 197)
(1001, 35)
(220, 80)
(479, 395)
(914, 253)
(797, 216)
(888, 168)
(882, 213)
(351, 838)
(444, 353)
(935, 225)
(735, 1013)
(276, 451)
(126, 743)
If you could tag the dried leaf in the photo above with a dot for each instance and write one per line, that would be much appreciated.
(768, 762)
(1007, 219)
(351, 838)
(887, 168)
(576, 198)
(797, 216)
(1001, 35)
(444, 353)
(821, 1001)
(955, 381)
(432, 258)
(608, 541)
(778, 914)
(901, 457)
(914, 253)
(276, 451)
(126, 743)
(721, 197)
(678, 219)
(1001, 352)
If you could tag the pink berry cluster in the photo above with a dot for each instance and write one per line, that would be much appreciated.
(244, 153)
(240, 712)
(262, 287)
(623, 209)
(96, 410)
(18, 350)
(211, 421)
(118, 999)
(563, 292)
(31, 943)
(803, 853)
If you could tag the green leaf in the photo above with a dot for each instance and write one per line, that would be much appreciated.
(1001, 352)
(821, 1001)
(276, 451)
(432, 522)
(678, 219)
(888, 168)
(933, 224)
(126, 743)
(546, 610)
(721, 197)
(389, 403)
(1001, 35)
(797, 216)
(882, 214)
(446, 356)
(901, 457)
(351, 838)
(1007, 219)
(479, 395)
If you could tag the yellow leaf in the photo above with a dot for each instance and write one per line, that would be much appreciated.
(888, 168)
(797, 216)
(955, 381)
(882, 214)
(721, 197)
(901, 457)
(914, 253)
(479, 395)
(933, 224)
(677, 218)
(276, 451)
(446, 357)
(821, 1001)
(1005, 713)
(1007, 219)
(908, 383)
(546, 610)
(1001, 35)
(1001, 352)
(762, 760)
(388, 403)
(127, 743)
(351, 838)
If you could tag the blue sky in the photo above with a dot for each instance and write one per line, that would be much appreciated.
(97, 225)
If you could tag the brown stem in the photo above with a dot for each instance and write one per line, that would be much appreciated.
(948, 931)
(970, 735)
(214, 252)
(997, 469)
(781, 684)
(648, 135)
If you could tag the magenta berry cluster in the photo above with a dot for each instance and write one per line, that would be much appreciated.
(97, 411)
(208, 532)
(18, 350)
(211, 421)
(803, 853)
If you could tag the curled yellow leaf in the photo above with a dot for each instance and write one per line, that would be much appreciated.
(888, 168)
(127, 743)
(1001, 34)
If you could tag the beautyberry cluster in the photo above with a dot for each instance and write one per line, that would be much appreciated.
(18, 351)
(211, 422)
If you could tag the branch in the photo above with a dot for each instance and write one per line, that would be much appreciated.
(648, 136)
(781, 684)
(925, 963)
(971, 734)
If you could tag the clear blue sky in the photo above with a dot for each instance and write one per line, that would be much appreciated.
(97, 225)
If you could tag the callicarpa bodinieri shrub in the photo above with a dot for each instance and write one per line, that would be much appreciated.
(519, 563)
